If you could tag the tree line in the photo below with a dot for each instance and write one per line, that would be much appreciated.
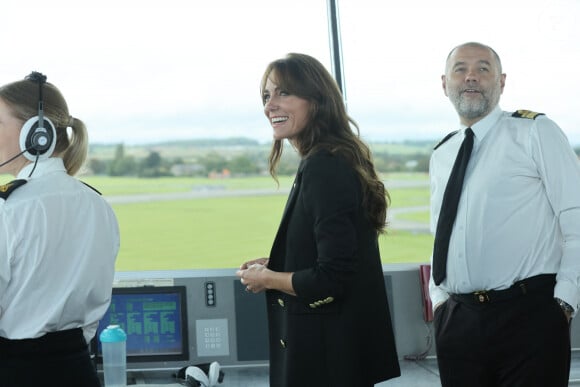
(252, 161)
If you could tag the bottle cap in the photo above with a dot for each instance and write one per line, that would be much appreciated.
(112, 334)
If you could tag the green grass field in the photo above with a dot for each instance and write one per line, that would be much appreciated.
(223, 232)
(110, 186)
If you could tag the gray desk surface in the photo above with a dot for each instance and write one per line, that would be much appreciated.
(422, 373)
(417, 374)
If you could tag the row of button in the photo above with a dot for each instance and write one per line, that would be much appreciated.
(314, 305)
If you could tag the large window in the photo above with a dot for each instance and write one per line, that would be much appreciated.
(141, 72)
(394, 54)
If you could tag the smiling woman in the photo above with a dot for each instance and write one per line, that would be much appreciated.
(287, 113)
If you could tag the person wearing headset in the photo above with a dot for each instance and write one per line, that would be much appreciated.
(327, 305)
(59, 240)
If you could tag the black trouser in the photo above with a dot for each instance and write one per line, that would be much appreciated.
(518, 341)
(55, 359)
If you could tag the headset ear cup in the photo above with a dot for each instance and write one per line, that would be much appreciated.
(214, 373)
(37, 142)
(197, 375)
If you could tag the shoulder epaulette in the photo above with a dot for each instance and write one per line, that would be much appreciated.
(91, 187)
(526, 114)
(445, 139)
(8, 188)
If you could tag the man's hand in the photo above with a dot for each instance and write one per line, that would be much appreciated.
(438, 305)
(566, 308)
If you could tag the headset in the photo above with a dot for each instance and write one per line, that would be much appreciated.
(202, 375)
(38, 134)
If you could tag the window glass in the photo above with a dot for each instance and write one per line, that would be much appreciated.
(139, 71)
(394, 54)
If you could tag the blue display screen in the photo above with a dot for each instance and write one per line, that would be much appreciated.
(154, 319)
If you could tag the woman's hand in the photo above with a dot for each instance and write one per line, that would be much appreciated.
(253, 274)
(256, 276)
(260, 261)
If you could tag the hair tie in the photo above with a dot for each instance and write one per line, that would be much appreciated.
(70, 121)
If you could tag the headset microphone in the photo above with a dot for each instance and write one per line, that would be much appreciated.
(13, 158)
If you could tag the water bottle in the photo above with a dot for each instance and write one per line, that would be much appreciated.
(114, 341)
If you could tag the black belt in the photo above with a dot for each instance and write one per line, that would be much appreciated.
(67, 341)
(532, 285)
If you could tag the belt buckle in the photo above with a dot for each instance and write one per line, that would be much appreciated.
(481, 296)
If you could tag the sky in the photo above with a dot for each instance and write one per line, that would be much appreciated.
(145, 71)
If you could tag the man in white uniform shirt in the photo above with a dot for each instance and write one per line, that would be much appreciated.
(506, 290)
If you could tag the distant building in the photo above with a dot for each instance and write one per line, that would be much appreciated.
(224, 174)
(187, 169)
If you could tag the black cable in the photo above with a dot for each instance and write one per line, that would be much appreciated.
(35, 163)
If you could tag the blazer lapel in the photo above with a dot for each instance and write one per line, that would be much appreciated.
(288, 210)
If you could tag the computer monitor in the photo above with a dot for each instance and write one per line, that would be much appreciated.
(155, 321)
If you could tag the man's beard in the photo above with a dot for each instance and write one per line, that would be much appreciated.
(470, 108)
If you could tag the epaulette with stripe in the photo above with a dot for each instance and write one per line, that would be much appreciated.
(526, 114)
(8, 188)
(93, 188)
(445, 139)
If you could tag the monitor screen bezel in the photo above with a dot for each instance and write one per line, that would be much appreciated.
(181, 291)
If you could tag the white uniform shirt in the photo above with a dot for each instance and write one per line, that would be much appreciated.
(58, 244)
(519, 212)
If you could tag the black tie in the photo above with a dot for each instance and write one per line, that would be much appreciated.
(449, 208)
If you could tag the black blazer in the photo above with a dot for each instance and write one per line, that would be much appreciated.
(337, 331)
